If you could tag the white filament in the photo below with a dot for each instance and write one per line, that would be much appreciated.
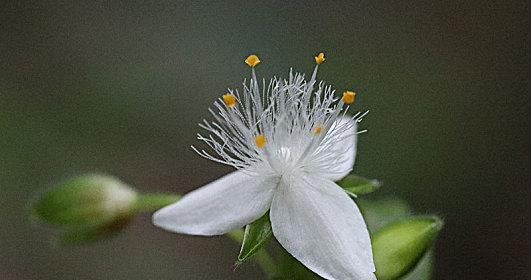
(286, 112)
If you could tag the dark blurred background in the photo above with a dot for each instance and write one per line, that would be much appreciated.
(92, 86)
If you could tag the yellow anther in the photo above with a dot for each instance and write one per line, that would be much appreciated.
(349, 97)
(252, 60)
(320, 58)
(229, 99)
(260, 141)
(317, 130)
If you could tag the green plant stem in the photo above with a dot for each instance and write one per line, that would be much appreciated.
(262, 258)
(153, 201)
(265, 261)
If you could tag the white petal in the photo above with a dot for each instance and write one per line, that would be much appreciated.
(317, 222)
(230, 202)
(343, 136)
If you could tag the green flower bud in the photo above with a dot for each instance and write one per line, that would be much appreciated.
(85, 200)
(399, 246)
(87, 207)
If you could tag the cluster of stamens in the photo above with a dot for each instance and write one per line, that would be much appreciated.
(287, 124)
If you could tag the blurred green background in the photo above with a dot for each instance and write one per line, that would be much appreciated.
(118, 87)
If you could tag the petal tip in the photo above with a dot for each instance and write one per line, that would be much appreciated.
(159, 218)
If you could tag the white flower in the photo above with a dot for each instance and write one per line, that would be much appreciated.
(289, 141)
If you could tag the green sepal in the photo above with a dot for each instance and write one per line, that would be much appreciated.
(399, 246)
(380, 212)
(355, 185)
(255, 237)
(424, 268)
(88, 234)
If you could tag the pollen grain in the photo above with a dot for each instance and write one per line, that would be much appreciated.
(260, 141)
(252, 60)
(229, 99)
(317, 130)
(349, 97)
(320, 58)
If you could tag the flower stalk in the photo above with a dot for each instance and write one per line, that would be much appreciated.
(147, 202)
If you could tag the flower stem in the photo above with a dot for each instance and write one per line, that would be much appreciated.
(153, 201)
(262, 258)
(265, 261)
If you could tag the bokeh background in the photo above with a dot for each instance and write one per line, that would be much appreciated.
(118, 87)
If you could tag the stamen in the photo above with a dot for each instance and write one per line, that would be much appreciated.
(320, 58)
(252, 60)
(286, 123)
(349, 97)
(229, 99)
(260, 141)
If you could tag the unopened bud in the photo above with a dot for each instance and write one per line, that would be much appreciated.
(87, 207)
(398, 247)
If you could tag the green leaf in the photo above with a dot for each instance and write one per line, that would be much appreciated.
(399, 246)
(255, 236)
(355, 185)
